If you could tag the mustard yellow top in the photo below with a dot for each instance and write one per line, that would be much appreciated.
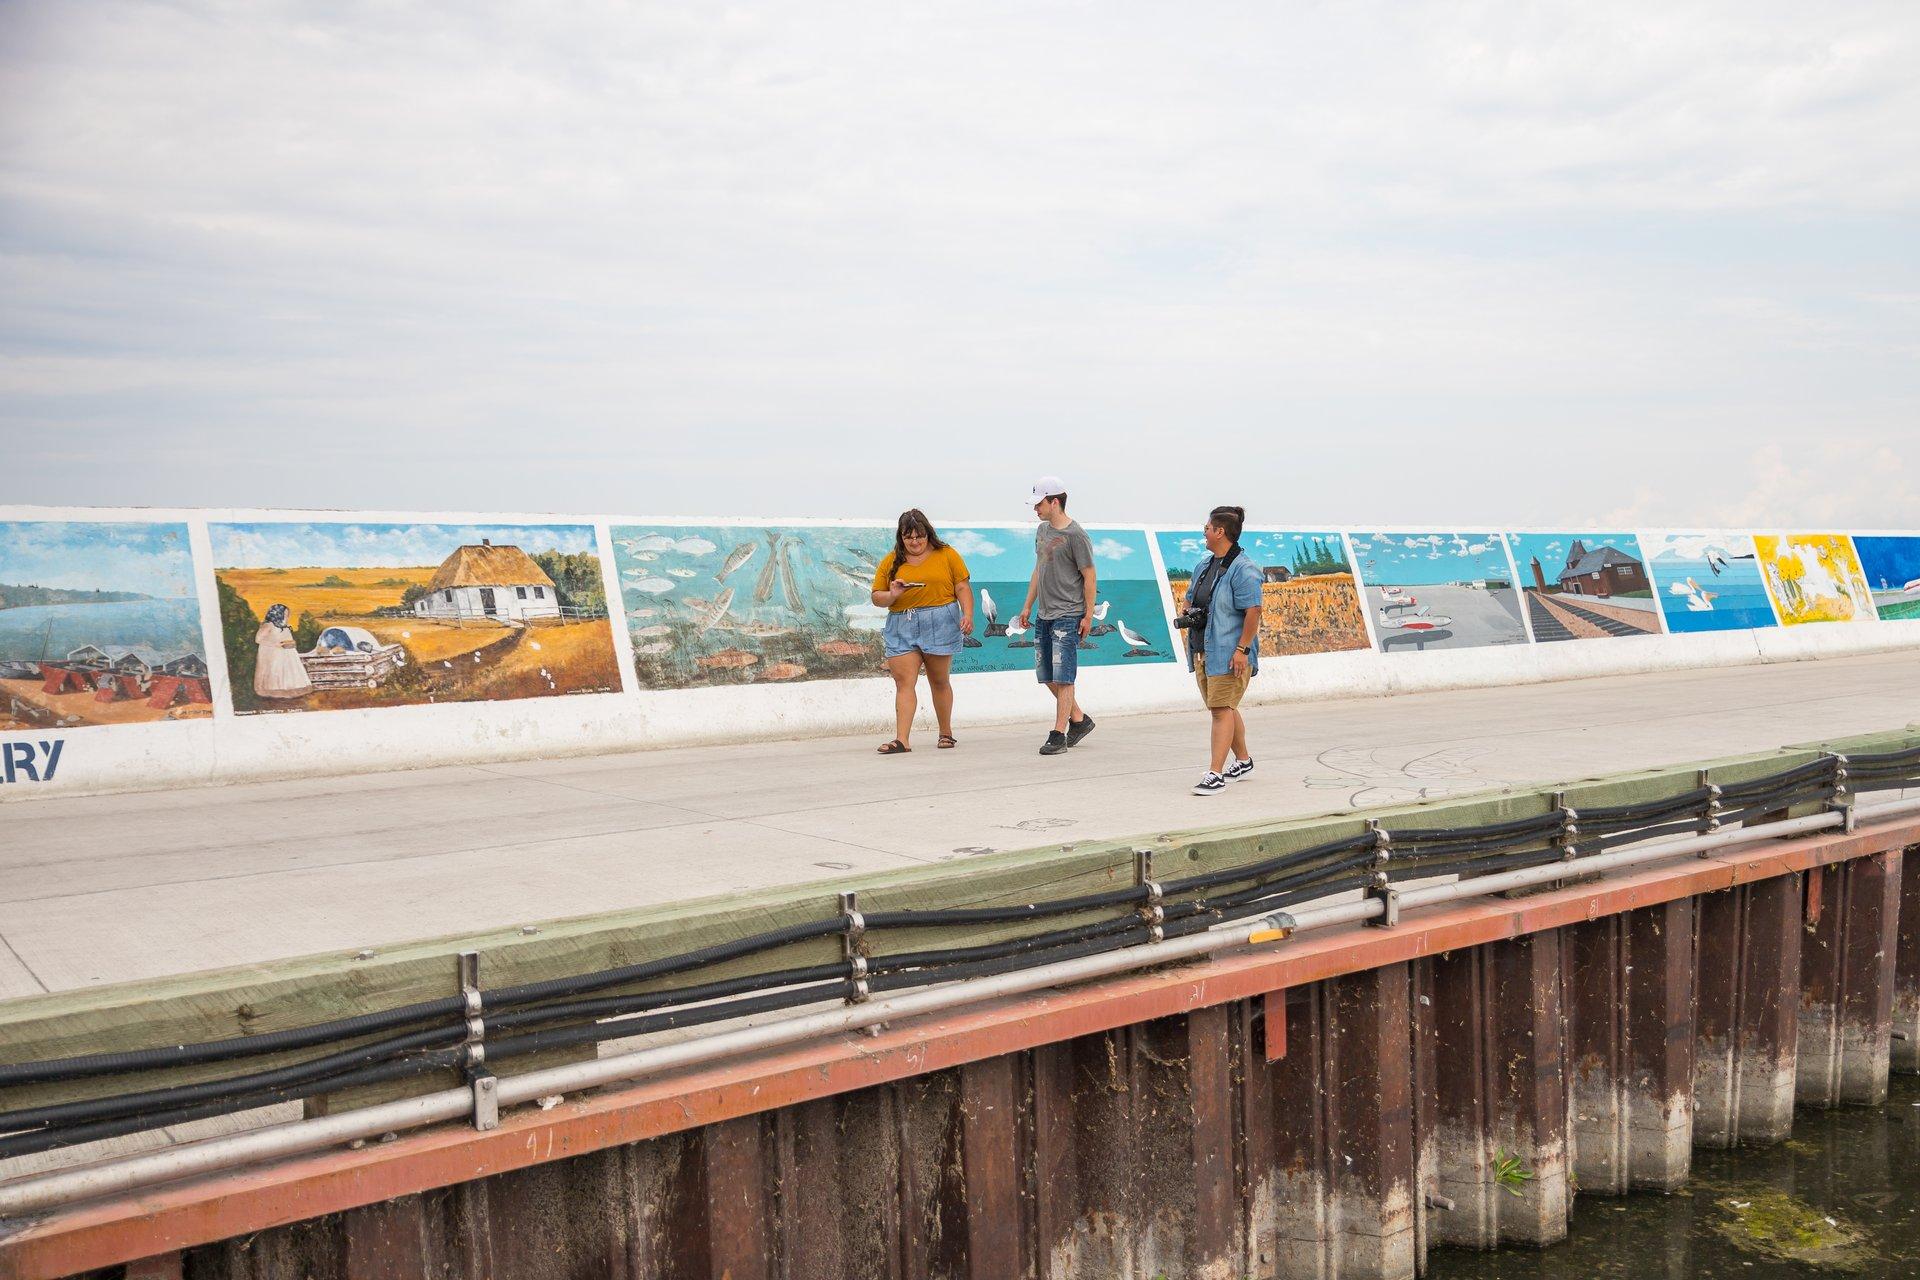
(941, 571)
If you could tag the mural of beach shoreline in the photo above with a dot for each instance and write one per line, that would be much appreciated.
(1708, 581)
(1310, 601)
(378, 615)
(1439, 590)
(753, 604)
(1129, 614)
(1584, 586)
(99, 624)
(1891, 565)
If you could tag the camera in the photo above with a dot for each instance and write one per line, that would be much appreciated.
(1191, 619)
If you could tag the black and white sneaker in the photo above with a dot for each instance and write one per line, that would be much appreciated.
(1056, 743)
(1238, 770)
(1210, 785)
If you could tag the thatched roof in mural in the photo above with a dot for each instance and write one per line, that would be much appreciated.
(489, 566)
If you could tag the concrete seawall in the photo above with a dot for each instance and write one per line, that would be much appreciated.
(474, 689)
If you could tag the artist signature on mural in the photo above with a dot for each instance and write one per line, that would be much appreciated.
(1382, 775)
(24, 762)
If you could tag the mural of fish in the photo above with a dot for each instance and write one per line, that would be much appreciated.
(735, 558)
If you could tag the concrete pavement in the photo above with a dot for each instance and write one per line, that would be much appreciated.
(114, 888)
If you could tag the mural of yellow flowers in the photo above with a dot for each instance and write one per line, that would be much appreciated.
(1814, 577)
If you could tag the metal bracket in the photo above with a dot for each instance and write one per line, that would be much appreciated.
(853, 948)
(1714, 807)
(1153, 911)
(485, 1085)
(1382, 843)
(1569, 837)
(1389, 896)
(1840, 804)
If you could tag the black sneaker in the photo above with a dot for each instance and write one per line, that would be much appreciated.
(1210, 785)
(1056, 743)
(1237, 770)
(1078, 729)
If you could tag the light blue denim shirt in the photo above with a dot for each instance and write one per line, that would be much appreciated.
(1238, 590)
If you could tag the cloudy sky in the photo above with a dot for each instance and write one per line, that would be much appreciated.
(1482, 264)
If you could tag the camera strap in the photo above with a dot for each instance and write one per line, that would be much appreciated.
(1201, 597)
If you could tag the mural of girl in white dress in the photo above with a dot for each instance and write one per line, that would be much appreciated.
(278, 672)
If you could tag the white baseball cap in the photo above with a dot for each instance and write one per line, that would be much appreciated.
(1048, 487)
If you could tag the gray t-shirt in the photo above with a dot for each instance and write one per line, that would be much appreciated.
(1061, 555)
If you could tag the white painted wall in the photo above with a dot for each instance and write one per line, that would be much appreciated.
(230, 748)
(467, 602)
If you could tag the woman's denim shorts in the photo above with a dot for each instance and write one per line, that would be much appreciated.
(934, 631)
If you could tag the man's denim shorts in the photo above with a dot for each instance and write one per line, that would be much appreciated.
(1056, 649)
(934, 631)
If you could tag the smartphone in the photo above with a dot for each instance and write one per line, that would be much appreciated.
(905, 583)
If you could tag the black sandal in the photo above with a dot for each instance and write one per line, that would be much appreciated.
(947, 742)
(895, 748)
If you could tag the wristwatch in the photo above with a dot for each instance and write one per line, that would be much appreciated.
(1246, 649)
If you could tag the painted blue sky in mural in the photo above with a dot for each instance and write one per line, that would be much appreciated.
(1182, 549)
(150, 559)
(1551, 550)
(275, 544)
(996, 555)
(1423, 559)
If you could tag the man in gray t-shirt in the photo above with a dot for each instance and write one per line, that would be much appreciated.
(1060, 595)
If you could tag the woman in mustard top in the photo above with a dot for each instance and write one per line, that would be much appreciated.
(923, 586)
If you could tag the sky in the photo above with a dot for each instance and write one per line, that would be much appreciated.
(1423, 559)
(1334, 263)
(150, 559)
(1552, 550)
(263, 545)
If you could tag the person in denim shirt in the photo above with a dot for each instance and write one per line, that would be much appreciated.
(1225, 654)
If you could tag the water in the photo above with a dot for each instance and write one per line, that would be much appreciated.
(1136, 602)
(1859, 1167)
(167, 625)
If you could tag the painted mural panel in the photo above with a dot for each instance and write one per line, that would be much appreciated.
(322, 616)
(752, 604)
(1584, 586)
(1310, 602)
(1129, 615)
(1892, 569)
(1708, 581)
(1814, 577)
(99, 624)
(1439, 590)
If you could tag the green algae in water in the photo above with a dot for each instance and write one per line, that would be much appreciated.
(1768, 1221)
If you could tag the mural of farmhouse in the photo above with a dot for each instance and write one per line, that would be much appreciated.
(1129, 614)
(319, 616)
(1584, 586)
(1892, 569)
(750, 604)
(1439, 590)
(1707, 581)
(1814, 577)
(1310, 603)
(99, 624)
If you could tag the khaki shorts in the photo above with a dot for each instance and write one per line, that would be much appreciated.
(1218, 692)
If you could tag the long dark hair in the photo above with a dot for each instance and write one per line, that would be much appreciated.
(913, 520)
